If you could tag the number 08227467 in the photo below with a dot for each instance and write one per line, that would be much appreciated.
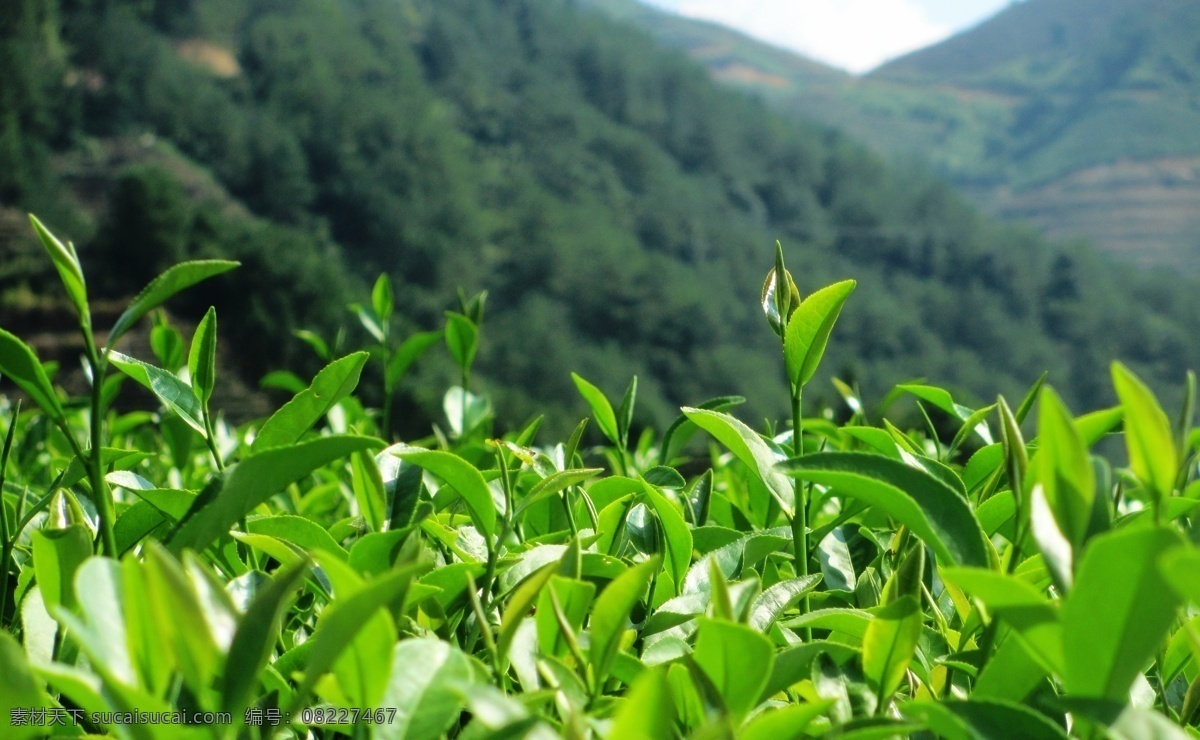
(345, 716)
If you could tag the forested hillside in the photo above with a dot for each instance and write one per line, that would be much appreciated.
(1076, 115)
(620, 208)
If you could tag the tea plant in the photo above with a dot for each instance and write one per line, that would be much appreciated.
(169, 574)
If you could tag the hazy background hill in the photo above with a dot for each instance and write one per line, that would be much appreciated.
(1080, 116)
(620, 206)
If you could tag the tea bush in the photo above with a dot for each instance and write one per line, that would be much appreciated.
(167, 574)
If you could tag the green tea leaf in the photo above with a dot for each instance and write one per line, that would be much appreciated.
(57, 555)
(682, 429)
(344, 619)
(736, 659)
(315, 342)
(168, 387)
(647, 711)
(462, 338)
(1118, 613)
(381, 297)
(461, 476)
(574, 597)
(554, 483)
(304, 533)
(20, 689)
(772, 602)
(1148, 435)
(1032, 615)
(161, 288)
(968, 720)
(335, 381)
(369, 491)
(808, 330)
(66, 262)
(748, 447)
(675, 530)
(610, 616)
(408, 353)
(256, 635)
(934, 511)
(178, 617)
(1063, 467)
(202, 358)
(601, 409)
(890, 643)
(625, 413)
(519, 604)
(19, 364)
(1012, 673)
(252, 481)
(423, 688)
(1016, 458)
(167, 344)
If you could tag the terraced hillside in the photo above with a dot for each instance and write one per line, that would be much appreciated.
(1080, 117)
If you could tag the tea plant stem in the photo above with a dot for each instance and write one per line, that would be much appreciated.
(462, 412)
(5, 541)
(386, 431)
(101, 495)
(493, 557)
(209, 434)
(800, 494)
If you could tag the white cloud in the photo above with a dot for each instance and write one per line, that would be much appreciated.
(856, 35)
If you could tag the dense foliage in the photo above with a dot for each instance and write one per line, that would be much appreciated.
(170, 575)
(608, 196)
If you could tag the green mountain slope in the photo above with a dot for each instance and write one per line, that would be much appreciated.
(1077, 116)
(620, 207)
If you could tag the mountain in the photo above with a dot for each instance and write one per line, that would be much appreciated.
(1078, 116)
(619, 206)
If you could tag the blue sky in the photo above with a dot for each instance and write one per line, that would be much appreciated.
(855, 35)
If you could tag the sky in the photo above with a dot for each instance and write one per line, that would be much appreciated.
(855, 35)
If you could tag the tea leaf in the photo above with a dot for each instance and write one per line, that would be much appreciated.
(748, 447)
(408, 353)
(66, 262)
(808, 330)
(161, 288)
(647, 710)
(890, 643)
(57, 555)
(256, 634)
(1063, 467)
(781, 596)
(1118, 613)
(462, 338)
(381, 297)
(168, 387)
(675, 530)
(369, 492)
(574, 597)
(737, 660)
(335, 381)
(610, 615)
(934, 511)
(202, 357)
(344, 619)
(424, 689)
(252, 481)
(1148, 435)
(601, 409)
(19, 364)
(461, 476)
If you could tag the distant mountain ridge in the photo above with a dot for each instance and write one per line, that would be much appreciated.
(1079, 116)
